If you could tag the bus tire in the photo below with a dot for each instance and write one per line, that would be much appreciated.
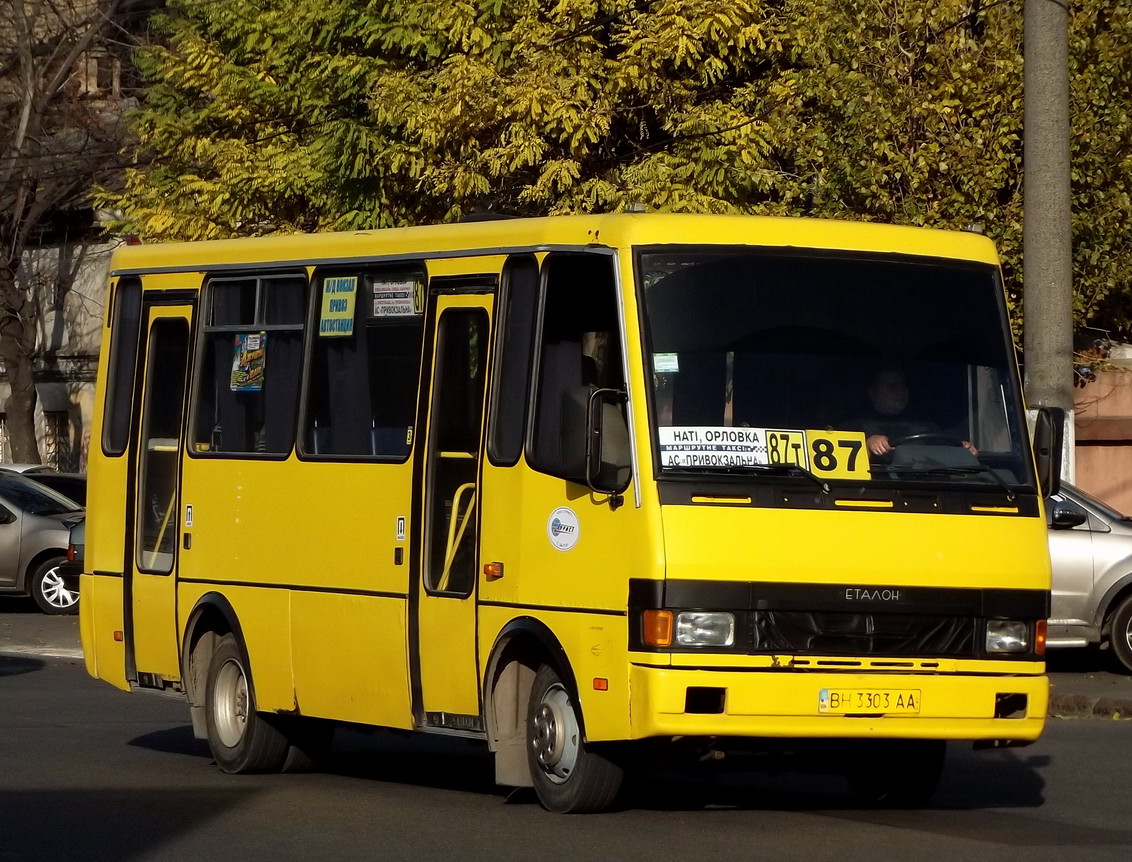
(569, 776)
(1120, 635)
(241, 739)
(897, 773)
(47, 588)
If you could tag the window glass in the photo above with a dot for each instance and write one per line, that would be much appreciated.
(454, 442)
(579, 351)
(125, 322)
(364, 364)
(518, 305)
(249, 366)
(763, 358)
(157, 515)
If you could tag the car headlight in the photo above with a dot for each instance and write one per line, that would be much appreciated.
(1008, 636)
(705, 628)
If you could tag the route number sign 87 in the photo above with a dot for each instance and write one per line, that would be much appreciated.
(829, 454)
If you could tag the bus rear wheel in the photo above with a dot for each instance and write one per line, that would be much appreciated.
(569, 776)
(241, 739)
(897, 773)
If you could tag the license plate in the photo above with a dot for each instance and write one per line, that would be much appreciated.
(869, 701)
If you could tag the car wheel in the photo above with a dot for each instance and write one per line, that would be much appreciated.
(569, 776)
(1120, 634)
(899, 773)
(50, 592)
(241, 739)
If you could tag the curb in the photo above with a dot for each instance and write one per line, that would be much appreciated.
(1086, 706)
(13, 651)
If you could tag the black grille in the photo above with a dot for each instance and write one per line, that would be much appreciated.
(835, 634)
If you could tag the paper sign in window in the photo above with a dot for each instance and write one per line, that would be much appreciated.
(249, 359)
(337, 317)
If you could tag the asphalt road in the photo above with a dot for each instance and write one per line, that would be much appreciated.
(91, 773)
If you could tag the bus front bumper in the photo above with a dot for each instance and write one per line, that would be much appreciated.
(668, 701)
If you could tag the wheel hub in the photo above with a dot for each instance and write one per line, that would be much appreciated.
(555, 736)
(56, 592)
(231, 704)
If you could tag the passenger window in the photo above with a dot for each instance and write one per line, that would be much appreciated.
(580, 347)
(515, 333)
(125, 322)
(248, 389)
(365, 364)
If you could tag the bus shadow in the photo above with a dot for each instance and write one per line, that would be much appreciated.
(16, 665)
(972, 781)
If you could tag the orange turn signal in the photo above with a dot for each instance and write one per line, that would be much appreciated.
(1040, 637)
(118, 637)
(493, 571)
(601, 684)
(657, 628)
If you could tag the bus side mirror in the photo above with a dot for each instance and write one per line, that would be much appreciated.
(607, 436)
(595, 439)
(1049, 437)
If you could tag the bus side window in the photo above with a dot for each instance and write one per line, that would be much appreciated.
(515, 330)
(125, 324)
(364, 368)
(249, 367)
(580, 346)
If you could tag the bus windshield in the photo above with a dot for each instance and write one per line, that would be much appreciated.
(907, 359)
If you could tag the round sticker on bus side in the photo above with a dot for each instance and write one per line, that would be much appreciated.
(562, 528)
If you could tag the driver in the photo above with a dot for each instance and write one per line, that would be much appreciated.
(887, 423)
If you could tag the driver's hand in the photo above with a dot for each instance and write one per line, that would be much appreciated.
(970, 447)
(878, 444)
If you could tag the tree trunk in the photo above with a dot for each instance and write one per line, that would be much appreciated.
(17, 349)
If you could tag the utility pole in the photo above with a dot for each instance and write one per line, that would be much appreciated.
(1047, 253)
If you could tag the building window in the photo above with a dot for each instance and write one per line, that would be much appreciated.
(57, 440)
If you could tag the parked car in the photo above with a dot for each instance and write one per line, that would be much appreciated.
(26, 468)
(71, 485)
(1090, 546)
(35, 523)
(72, 567)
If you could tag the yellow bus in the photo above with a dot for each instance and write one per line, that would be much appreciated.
(578, 487)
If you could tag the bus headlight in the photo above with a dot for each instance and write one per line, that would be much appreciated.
(705, 628)
(1007, 636)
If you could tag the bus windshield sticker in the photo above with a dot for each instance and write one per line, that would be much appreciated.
(249, 358)
(394, 298)
(562, 528)
(666, 363)
(832, 454)
(337, 317)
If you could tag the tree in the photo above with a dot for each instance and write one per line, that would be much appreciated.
(57, 135)
(267, 116)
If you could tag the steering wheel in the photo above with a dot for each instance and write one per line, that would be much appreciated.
(929, 437)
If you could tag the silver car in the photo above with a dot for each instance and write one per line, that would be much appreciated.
(34, 526)
(1090, 546)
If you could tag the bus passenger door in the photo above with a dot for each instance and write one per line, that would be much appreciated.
(151, 592)
(447, 683)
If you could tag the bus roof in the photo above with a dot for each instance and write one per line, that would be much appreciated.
(621, 230)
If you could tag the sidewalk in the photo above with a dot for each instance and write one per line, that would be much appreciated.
(1082, 684)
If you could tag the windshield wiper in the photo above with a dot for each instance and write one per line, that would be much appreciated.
(746, 470)
(981, 469)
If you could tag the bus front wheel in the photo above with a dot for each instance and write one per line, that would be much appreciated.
(241, 739)
(898, 773)
(569, 775)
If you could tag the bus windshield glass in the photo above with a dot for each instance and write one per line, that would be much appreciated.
(875, 368)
